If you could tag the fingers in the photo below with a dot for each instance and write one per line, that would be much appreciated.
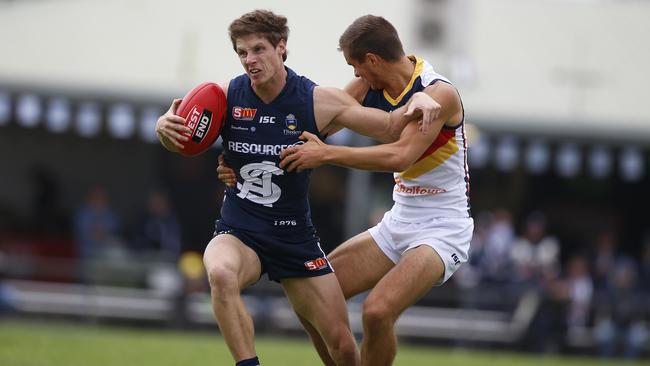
(225, 173)
(178, 120)
(306, 136)
(426, 120)
(174, 106)
(227, 177)
(176, 143)
(176, 132)
(288, 151)
(410, 110)
(289, 162)
(172, 128)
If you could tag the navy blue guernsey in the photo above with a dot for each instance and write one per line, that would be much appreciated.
(266, 198)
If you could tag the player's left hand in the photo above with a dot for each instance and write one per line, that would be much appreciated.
(306, 156)
(422, 103)
(225, 173)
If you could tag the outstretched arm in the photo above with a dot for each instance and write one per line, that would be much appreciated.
(395, 157)
(334, 109)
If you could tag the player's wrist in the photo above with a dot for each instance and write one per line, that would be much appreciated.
(331, 154)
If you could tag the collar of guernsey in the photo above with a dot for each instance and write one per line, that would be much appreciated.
(424, 72)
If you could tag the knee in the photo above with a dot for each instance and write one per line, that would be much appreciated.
(222, 279)
(377, 314)
(344, 351)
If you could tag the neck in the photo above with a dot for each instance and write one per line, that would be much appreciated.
(400, 73)
(270, 89)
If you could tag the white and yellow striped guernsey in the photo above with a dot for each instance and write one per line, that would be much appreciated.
(439, 179)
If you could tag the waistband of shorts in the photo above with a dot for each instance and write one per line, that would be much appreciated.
(408, 213)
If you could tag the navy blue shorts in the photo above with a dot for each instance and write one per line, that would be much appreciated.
(292, 255)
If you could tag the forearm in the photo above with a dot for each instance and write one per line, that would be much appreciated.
(375, 158)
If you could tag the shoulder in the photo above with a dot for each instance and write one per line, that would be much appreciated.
(224, 86)
(329, 95)
(441, 86)
(447, 96)
(357, 88)
(237, 82)
(443, 91)
(301, 80)
(428, 75)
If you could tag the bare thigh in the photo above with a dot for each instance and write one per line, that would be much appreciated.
(415, 274)
(226, 253)
(359, 264)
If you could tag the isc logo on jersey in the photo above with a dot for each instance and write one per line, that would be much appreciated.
(199, 121)
(243, 114)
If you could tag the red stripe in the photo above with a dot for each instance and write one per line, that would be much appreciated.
(443, 137)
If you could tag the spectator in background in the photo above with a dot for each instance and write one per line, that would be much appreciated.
(96, 229)
(604, 259)
(579, 293)
(535, 255)
(620, 323)
(566, 306)
(497, 245)
(536, 265)
(158, 230)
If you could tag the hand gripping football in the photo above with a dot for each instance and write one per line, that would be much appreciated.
(204, 110)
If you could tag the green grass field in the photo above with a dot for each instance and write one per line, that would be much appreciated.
(30, 344)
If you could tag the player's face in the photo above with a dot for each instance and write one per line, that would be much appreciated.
(363, 69)
(260, 59)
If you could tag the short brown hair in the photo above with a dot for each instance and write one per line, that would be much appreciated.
(371, 34)
(271, 26)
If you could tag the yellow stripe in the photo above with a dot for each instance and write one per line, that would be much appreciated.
(432, 161)
(419, 65)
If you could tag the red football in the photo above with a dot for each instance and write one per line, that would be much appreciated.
(204, 109)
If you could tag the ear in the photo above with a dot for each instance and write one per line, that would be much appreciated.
(282, 46)
(373, 59)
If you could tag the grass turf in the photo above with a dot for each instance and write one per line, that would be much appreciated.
(30, 344)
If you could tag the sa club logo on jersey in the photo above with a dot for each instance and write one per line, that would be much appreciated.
(291, 122)
(243, 114)
(257, 186)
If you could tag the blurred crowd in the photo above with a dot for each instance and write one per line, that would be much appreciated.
(98, 228)
(597, 293)
(107, 248)
(592, 296)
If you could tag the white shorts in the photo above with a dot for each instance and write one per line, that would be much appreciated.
(448, 236)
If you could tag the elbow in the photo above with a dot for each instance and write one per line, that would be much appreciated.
(398, 162)
(392, 134)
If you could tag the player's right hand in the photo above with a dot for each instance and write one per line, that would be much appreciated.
(225, 173)
(171, 129)
(423, 104)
